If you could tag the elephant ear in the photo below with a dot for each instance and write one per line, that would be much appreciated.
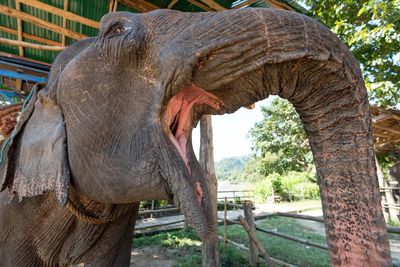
(34, 156)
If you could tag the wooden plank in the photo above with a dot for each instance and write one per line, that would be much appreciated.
(64, 22)
(198, 4)
(279, 5)
(385, 128)
(295, 239)
(30, 36)
(140, 6)
(246, 3)
(19, 29)
(172, 3)
(381, 117)
(29, 18)
(62, 13)
(30, 45)
(214, 5)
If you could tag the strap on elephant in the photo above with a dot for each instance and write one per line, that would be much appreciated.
(90, 219)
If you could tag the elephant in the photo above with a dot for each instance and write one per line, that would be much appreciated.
(112, 127)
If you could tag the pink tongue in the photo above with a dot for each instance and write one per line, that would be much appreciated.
(183, 102)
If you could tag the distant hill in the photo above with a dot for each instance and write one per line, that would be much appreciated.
(229, 168)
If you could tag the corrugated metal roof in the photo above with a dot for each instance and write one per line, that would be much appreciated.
(91, 9)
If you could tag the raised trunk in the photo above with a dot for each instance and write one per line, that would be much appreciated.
(210, 249)
(246, 55)
(337, 120)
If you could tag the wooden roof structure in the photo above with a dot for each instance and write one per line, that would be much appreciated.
(386, 129)
(40, 29)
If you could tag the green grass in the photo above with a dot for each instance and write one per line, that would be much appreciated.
(189, 244)
(286, 250)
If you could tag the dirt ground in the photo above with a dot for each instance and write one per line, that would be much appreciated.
(153, 257)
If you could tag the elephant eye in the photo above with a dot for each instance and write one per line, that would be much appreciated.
(117, 29)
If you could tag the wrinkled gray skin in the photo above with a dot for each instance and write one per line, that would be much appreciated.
(106, 141)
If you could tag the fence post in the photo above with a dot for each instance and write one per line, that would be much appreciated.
(152, 208)
(248, 215)
(225, 223)
(253, 239)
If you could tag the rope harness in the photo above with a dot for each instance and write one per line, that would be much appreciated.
(88, 218)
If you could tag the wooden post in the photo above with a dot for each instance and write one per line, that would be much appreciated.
(152, 208)
(225, 223)
(253, 239)
(210, 250)
(64, 25)
(389, 212)
(248, 215)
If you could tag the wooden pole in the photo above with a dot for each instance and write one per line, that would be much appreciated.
(64, 22)
(210, 250)
(30, 45)
(388, 196)
(225, 222)
(42, 23)
(29, 36)
(248, 215)
(253, 239)
(152, 208)
(19, 29)
(172, 3)
(62, 13)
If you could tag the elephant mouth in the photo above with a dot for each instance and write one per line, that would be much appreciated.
(178, 121)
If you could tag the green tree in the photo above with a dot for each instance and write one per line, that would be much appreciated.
(372, 31)
(280, 140)
(229, 168)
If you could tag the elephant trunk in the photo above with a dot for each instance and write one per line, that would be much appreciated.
(337, 120)
(246, 55)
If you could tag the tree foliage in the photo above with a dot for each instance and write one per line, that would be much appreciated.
(372, 31)
(230, 168)
(280, 140)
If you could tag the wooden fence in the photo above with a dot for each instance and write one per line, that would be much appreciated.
(256, 249)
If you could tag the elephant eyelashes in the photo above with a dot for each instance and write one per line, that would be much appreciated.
(117, 29)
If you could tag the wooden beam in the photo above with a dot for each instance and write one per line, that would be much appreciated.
(30, 36)
(61, 13)
(19, 29)
(198, 4)
(213, 5)
(172, 3)
(64, 22)
(32, 19)
(139, 5)
(279, 5)
(381, 117)
(148, 4)
(30, 45)
(385, 128)
(246, 3)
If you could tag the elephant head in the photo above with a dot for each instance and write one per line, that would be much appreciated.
(115, 122)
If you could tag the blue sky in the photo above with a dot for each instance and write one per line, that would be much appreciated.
(231, 131)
